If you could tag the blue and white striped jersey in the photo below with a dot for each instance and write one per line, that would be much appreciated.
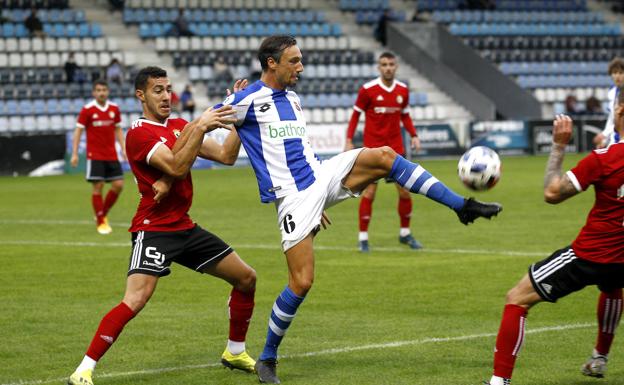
(272, 129)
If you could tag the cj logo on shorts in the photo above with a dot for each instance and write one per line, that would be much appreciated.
(159, 258)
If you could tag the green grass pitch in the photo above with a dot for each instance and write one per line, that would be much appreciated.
(391, 317)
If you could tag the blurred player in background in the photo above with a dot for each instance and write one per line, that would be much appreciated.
(161, 151)
(272, 127)
(101, 119)
(385, 103)
(596, 256)
(609, 135)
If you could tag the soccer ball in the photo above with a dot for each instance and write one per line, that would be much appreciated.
(479, 168)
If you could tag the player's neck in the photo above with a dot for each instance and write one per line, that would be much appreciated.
(271, 81)
(149, 116)
(101, 104)
(387, 83)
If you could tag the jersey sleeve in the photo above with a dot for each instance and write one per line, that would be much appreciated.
(362, 101)
(83, 118)
(141, 145)
(586, 172)
(239, 104)
(117, 116)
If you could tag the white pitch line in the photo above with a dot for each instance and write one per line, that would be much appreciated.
(54, 222)
(325, 352)
(277, 248)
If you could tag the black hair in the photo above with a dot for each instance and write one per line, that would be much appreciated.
(140, 81)
(387, 55)
(100, 82)
(274, 46)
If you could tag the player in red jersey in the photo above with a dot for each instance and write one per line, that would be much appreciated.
(596, 256)
(385, 102)
(162, 150)
(101, 120)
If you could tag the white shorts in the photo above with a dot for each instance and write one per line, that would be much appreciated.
(299, 213)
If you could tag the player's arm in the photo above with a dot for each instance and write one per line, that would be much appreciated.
(557, 186)
(406, 119)
(225, 153)
(177, 162)
(358, 108)
(120, 139)
(75, 144)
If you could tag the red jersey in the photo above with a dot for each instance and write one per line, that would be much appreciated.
(602, 238)
(385, 108)
(171, 214)
(100, 123)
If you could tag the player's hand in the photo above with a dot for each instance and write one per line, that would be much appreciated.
(74, 160)
(415, 143)
(161, 189)
(222, 117)
(562, 130)
(348, 145)
(325, 221)
(599, 140)
(239, 84)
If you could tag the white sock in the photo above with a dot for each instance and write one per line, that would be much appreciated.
(235, 347)
(499, 381)
(87, 363)
(363, 236)
(596, 353)
(404, 231)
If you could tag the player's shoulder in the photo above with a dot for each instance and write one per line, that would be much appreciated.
(89, 105)
(612, 92)
(245, 95)
(370, 84)
(176, 123)
(401, 85)
(113, 105)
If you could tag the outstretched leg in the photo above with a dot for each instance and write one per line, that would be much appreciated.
(511, 332)
(300, 260)
(365, 214)
(241, 304)
(139, 289)
(376, 163)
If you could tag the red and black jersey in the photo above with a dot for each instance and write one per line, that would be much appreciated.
(171, 213)
(385, 108)
(100, 122)
(602, 238)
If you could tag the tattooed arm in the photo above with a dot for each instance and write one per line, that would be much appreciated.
(558, 187)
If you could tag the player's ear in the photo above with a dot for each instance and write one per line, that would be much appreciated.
(271, 62)
(139, 94)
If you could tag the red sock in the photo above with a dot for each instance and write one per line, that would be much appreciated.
(405, 211)
(609, 313)
(98, 207)
(110, 327)
(509, 340)
(111, 198)
(241, 308)
(366, 211)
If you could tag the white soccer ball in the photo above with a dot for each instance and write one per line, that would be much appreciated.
(479, 168)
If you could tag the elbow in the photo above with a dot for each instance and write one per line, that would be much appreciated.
(178, 174)
(551, 197)
(229, 161)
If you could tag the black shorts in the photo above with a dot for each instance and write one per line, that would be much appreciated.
(563, 273)
(103, 170)
(196, 248)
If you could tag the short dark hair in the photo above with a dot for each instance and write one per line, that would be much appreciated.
(617, 64)
(387, 55)
(274, 46)
(140, 81)
(100, 82)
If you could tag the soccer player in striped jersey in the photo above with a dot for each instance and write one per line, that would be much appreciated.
(385, 103)
(595, 257)
(101, 119)
(272, 128)
(161, 150)
(609, 135)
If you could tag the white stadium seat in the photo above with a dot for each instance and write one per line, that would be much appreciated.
(15, 60)
(15, 123)
(172, 43)
(184, 43)
(11, 44)
(50, 44)
(24, 45)
(111, 44)
(75, 44)
(62, 44)
(196, 43)
(4, 124)
(54, 59)
(29, 123)
(161, 44)
(100, 44)
(92, 60)
(4, 60)
(69, 122)
(43, 123)
(41, 59)
(56, 122)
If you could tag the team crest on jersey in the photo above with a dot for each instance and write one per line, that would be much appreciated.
(176, 133)
(111, 114)
(399, 99)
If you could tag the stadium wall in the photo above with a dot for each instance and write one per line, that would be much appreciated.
(460, 72)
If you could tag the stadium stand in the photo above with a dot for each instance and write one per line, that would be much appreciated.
(553, 48)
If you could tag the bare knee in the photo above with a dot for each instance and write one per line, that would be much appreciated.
(97, 187)
(386, 157)
(137, 300)
(117, 186)
(370, 191)
(247, 282)
(301, 285)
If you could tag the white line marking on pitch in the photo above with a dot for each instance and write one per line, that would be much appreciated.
(277, 248)
(317, 353)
